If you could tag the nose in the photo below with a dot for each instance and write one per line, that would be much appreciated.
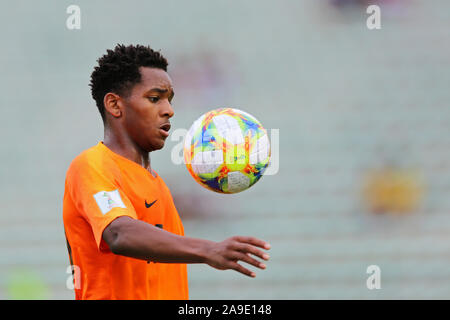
(167, 110)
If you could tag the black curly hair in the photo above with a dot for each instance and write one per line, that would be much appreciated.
(118, 71)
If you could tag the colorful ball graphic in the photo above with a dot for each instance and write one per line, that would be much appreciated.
(226, 150)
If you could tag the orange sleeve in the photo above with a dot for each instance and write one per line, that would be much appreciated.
(97, 196)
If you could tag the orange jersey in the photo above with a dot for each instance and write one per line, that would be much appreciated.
(101, 186)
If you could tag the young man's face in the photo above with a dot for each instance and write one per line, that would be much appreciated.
(148, 109)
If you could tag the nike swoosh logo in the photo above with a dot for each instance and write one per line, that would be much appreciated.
(148, 205)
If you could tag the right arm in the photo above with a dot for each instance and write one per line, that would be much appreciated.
(140, 240)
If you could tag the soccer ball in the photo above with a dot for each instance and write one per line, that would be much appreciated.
(226, 150)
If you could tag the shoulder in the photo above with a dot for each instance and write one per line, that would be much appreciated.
(92, 160)
(87, 159)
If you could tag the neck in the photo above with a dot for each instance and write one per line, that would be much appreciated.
(123, 145)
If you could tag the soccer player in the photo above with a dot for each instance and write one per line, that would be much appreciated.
(124, 236)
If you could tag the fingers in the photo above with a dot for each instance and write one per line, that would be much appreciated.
(246, 258)
(250, 244)
(247, 248)
(239, 256)
(236, 266)
(253, 241)
(241, 248)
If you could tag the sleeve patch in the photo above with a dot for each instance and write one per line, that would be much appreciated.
(106, 200)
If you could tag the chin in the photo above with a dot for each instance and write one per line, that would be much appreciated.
(156, 146)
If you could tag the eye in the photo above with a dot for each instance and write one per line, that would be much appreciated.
(153, 99)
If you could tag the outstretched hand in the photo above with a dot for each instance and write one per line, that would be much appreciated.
(226, 254)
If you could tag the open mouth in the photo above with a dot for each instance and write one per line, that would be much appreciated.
(165, 127)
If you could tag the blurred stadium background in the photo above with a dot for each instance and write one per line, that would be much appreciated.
(364, 138)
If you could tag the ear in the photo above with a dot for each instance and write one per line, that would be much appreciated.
(112, 104)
